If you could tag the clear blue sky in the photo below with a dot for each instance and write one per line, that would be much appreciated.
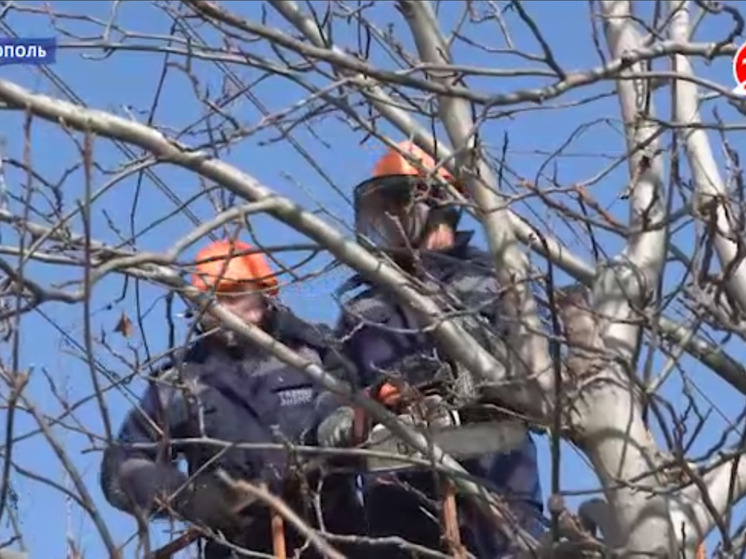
(126, 82)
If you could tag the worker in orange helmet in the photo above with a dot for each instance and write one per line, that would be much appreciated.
(224, 389)
(408, 209)
(243, 284)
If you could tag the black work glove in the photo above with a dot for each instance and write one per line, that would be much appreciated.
(140, 482)
(210, 501)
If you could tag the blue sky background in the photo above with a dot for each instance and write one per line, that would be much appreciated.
(126, 83)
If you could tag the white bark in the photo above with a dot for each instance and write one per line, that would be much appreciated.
(636, 271)
(526, 331)
(691, 510)
(708, 183)
(616, 438)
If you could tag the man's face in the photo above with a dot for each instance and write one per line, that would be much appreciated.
(406, 226)
(394, 223)
(248, 306)
(397, 212)
(394, 226)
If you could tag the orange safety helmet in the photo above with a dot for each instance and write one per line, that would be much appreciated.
(394, 163)
(241, 270)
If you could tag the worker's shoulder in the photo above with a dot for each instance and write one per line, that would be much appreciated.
(353, 288)
(476, 261)
(290, 327)
(362, 300)
(178, 361)
(471, 271)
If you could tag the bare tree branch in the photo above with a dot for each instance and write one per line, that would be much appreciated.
(511, 264)
(709, 186)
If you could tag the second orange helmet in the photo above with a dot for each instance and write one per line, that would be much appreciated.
(394, 163)
(241, 272)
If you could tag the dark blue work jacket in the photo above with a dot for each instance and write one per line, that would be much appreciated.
(383, 338)
(227, 394)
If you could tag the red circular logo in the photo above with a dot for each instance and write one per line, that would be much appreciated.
(739, 68)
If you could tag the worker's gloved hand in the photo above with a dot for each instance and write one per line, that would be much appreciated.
(138, 481)
(337, 429)
(209, 501)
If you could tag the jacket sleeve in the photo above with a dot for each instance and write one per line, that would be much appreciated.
(516, 475)
(132, 476)
(342, 370)
(480, 291)
(337, 363)
(480, 294)
(350, 332)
